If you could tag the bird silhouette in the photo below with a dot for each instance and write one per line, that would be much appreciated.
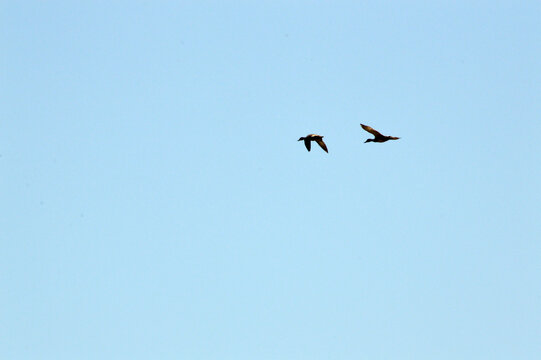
(313, 137)
(377, 136)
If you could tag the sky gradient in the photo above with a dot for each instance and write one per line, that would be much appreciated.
(155, 202)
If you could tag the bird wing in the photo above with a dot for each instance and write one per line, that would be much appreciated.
(307, 144)
(322, 144)
(370, 130)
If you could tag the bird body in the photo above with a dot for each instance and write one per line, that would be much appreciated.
(313, 137)
(378, 137)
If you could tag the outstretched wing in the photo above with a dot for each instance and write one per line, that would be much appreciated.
(370, 130)
(307, 144)
(322, 144)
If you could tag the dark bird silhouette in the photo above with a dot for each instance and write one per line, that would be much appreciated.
(313, 137)
(377, 136)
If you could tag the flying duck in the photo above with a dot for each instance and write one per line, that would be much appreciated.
(377, 136)
(313, 137)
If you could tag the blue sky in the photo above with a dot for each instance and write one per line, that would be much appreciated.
(155, 202)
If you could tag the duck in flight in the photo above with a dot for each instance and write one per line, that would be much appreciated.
(377, 136)
(313, 137)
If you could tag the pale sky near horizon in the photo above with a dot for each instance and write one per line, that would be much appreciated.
(155, 202)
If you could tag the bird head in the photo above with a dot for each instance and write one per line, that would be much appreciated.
(368, 140)
(302, 138)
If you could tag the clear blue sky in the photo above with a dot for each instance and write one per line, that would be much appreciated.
(155, 202)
